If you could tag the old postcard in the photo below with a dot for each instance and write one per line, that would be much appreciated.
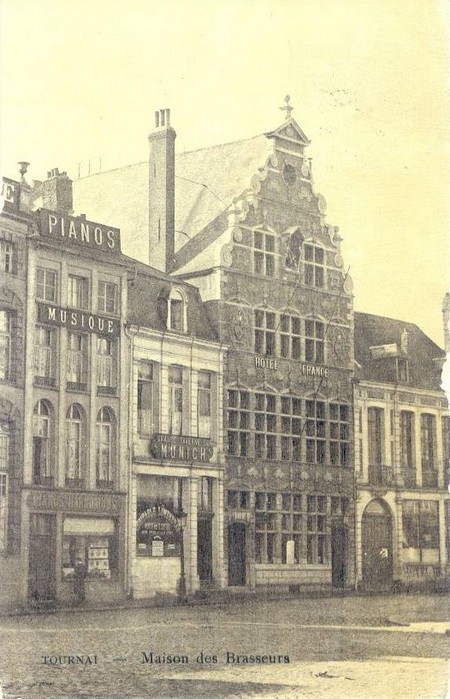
(224, 318)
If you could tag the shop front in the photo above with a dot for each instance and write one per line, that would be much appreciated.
(65, 530)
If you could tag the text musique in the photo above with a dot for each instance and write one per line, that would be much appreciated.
(81, 320)
(83, 234)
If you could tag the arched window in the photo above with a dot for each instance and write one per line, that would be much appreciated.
(75, 446)
(176, 311)
(42, 444)
(105, 448)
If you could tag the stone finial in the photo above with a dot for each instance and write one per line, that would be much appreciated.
(287, 107)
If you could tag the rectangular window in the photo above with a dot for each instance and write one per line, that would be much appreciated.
(339, 434)
(45, 353)
(446, 448)
(314, 341)
(108, 297)
(238, 499)
(205, 494)
(317, 537)
(290, 428)
(265, 527)
(175, 399)
(98, 554)
(6, 256)
(290, 345)
(264, 254)
(106, 364)
(238, 416)
(78, 291)
(46, 285)
(428, 447)
(402, 370)
(375, 418)
(204, 404)
(265, 426)
(145, 397)
(264, 333)
(3, 510)
(77, 360)
(314, 266)
(407, 439)
(315, 432)
(5, 345)
(420, 531)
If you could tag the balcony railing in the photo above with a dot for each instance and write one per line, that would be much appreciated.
(381, 474)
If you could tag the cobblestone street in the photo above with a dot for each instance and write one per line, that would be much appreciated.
(377, 647)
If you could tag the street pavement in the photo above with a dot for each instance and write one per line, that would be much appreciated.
(377, 647)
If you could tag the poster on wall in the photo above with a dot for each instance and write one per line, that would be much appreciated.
(224, 325)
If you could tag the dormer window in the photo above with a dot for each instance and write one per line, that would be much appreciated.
(402, 370)
(176, 311)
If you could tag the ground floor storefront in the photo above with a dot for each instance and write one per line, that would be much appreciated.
(402, 539)
(73, 546)
(289, 541)
(176, 530)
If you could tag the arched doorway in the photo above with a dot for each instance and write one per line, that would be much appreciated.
(236, 554)
(377, 546)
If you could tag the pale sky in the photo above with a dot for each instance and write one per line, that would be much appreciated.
(80, 81)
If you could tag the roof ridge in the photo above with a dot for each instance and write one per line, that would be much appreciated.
(219, 145)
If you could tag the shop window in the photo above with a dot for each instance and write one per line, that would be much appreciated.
(339, 434)
(428, 447)
(264, 333)
(158, 524)
(314, 341)
(420, 531)
(97, 552)
(45, 355)
(108, 297)
(264, 253)
(105, 461)
(46, 285)
(204, 404)
(265, 527)
(5, 345)
(145, 398)
(314, 270)
(175, 399)
(176, 311)
(6, 256)
(77, 291)
(291, 428)
(77, 360)
(290, 345)
(265, 426)
(43, 440)
(75, 446)
(291, 527)
(317, 536)
(238, 416)
(315, 432)
(106, 365)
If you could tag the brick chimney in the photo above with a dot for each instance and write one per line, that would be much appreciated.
(162, 192)
(56, 192)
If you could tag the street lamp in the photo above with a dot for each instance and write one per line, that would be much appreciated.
(182, 518)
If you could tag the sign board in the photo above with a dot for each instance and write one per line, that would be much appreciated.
(158, 518)
(78, 231)
(60, 501)
(179, 448)
(157, 547)
(78, 320)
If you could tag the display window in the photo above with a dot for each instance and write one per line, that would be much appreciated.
(97, 551)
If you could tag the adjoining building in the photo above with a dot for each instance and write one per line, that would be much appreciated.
(401, 456)
(176, 485)
(68, 364)
(243, 223)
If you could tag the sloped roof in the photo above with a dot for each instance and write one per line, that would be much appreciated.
(149, 287)
(373, 331)
(206, 182)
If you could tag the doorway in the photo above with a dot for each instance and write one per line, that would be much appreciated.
(204, 549)
(236, 554)
(377, 568)
(338, 555)
(41, 565)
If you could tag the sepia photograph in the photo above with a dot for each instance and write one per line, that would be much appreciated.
(224, 324)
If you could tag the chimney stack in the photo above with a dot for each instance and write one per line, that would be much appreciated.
(162, 192)
(56, 192)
